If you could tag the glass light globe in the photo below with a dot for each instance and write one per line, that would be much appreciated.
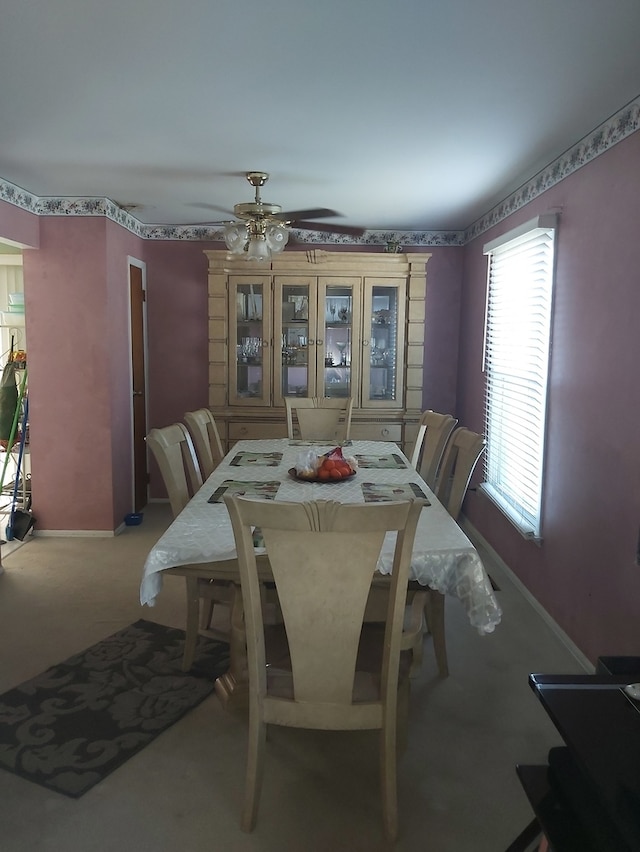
(277, 237)
(258, 248)
(235, 236)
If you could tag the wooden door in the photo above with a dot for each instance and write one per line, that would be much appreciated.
(139, 407)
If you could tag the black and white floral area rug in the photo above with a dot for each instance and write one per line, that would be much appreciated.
(72, 725)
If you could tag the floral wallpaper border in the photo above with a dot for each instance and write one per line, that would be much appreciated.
(625, 122)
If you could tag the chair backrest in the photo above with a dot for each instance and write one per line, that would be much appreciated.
(206, 439)
(319, 418)
(173, 449)
(432, 438)
(323, 555)
(460, 458)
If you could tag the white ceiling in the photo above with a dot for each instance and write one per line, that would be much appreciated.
(403, 115)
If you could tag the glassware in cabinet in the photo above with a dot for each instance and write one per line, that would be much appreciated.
(383, 350)
(295, 317)
(249, 338)
(339, 340)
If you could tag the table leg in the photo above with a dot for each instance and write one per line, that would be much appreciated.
(193, 609)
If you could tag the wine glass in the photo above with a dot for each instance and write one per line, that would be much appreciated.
(341, 346)
(332, 311)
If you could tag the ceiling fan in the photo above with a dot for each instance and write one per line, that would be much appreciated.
(264, 228)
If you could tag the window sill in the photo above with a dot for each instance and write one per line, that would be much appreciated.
(524, 527)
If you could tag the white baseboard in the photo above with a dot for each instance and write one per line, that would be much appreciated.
(77, 533)
(573, 649)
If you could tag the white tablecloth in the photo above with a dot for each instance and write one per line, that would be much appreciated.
(443, 557)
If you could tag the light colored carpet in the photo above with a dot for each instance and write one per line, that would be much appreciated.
(457, 783)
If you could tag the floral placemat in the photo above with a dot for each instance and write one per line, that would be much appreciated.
(389, 461)
(374, 492)
(247, 459)
(263, 490)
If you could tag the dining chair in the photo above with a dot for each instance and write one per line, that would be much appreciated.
(461, 455)
(206, 439)
(319, 418)
(458, 463)
(433, 434)
(324, 668)
(175, 454)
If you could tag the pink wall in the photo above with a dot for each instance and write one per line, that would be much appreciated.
(18, 225)
(76, 294)
(585, 571)
(177, 313)
(444, 283)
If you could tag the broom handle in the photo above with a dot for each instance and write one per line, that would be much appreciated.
(14, 427)
(16, 483)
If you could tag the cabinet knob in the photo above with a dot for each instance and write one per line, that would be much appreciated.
(385, 433)
(319, 342)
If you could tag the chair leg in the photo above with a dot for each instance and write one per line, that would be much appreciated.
(402, 716)
(206, 614)
(193, 611)
(388, 779)
(255, 770)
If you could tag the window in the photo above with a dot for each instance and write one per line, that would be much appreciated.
(516, 360)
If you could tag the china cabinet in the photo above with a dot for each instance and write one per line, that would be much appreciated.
(317, 323)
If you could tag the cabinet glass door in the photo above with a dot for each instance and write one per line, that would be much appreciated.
(295, 337)
(338, 338)
(249, 325)
(383, 349)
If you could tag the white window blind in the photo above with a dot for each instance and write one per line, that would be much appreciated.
(516, 360)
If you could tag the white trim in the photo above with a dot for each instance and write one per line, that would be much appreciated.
(545, 222)
(553, 625)
(78, 533)
(511, 514)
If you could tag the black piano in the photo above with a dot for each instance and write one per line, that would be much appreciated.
(586, 798)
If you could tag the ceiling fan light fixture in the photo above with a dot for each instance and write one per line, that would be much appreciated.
(264, 230)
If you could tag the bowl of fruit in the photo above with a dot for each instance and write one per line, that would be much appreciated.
(330, 468)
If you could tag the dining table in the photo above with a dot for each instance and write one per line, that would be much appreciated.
(443, 557)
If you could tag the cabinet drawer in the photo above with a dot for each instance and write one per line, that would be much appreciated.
(253, 431)
(376, 432)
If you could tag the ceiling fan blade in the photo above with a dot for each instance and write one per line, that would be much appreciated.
(214, 207)
(331, 229)
(209, 224)
(294, 215)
